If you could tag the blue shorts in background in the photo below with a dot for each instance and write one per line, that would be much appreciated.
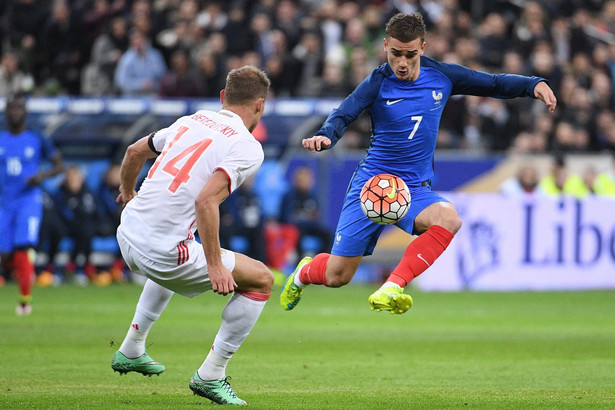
(20, 221)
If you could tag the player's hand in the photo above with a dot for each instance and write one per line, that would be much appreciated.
(221, 279)
(543, 92)
(125, 197)
(316, 143)
(35, 180)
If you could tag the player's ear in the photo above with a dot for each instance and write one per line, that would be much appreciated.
(260, 105)
(222, 96)
(385, 44)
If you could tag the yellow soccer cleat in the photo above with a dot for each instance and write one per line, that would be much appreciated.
(391, 299)
(291, 293)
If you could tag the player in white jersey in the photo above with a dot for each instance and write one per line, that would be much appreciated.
(201, 159)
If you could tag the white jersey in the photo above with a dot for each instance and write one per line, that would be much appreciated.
(161, 220)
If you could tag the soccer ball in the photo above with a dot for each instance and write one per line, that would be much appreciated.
(385, 199)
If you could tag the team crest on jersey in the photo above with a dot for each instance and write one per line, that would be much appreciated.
(29, 152)
(437, 96)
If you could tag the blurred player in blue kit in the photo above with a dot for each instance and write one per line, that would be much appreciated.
(405, 98)
(22, 153)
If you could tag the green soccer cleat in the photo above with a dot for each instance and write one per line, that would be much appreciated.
(143, 364)
(391, 299)
(291, 293)
(218, 391)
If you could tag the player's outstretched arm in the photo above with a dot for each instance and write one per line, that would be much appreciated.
(316, 143)
(543, 92)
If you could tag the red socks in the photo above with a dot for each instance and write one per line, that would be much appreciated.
(421, 254)
(25, 272)
(314, 272)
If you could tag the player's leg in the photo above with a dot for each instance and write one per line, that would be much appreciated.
(326, 269)
(131, 356)
(355, 236)
(437, 221)
(239, 316)
(27, 226)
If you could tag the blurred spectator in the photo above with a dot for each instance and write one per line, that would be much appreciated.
(24, 20)
(12, 79)
(300, 207)
(180, 80)
(334, 82)
(263, 36)
(242, 216)
(560, 182)
(208, 71)
(309, 53)
(530, 27)
(140, 67)
(77, 207)
(109, 212)
(282, 67)
(287, 19)
(51, 233)
(238, 28)
(600, 183)
(96, 19)
(108, 48)
(569, 137)
(524, 182)
(64, 48)
(494, 40)
(606, 130)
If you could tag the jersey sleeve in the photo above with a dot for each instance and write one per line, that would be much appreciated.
(242, 161)
(157, 139)
(466, 81)
(360, 99)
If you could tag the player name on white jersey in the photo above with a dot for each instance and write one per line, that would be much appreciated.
(223, 129)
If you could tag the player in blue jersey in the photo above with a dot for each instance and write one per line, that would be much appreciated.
(22, 153)
(405, 98)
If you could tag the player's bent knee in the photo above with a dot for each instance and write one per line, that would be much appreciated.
(263, 277)
(339, 280)
(453, 224)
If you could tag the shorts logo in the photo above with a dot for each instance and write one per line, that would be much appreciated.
(389, 102)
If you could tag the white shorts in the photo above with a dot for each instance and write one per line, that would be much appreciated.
(189, 279)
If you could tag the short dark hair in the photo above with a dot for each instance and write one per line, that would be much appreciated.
(245, 84)
(406, 27)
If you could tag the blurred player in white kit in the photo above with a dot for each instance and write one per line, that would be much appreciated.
(201, 159)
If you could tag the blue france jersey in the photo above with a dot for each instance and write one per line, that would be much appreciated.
(406, 114)
(20, 158)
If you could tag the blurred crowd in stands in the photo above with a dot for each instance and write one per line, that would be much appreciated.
(324, 48)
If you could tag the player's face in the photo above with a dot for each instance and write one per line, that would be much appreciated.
(404, 58)
(15, 113)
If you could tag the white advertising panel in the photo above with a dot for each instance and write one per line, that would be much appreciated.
(527, 243)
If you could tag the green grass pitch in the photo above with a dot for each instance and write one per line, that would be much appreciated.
(451, 350)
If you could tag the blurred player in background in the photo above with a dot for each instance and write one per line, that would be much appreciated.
(202, 158)
(405, 99)
(22, 153)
